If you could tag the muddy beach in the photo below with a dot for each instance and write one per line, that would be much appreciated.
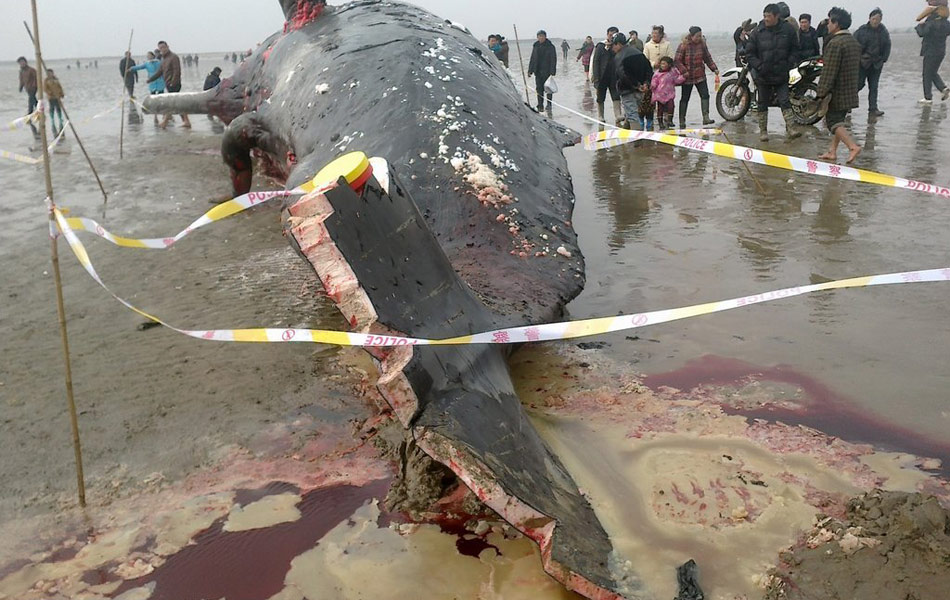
(202, 455)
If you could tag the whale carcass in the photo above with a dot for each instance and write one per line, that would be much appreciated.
(467, 229)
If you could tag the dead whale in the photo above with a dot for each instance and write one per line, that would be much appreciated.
(466, 228)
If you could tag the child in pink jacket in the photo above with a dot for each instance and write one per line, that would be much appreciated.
(663, 87)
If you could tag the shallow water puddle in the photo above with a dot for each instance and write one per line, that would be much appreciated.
(725, 503)
(359, 559)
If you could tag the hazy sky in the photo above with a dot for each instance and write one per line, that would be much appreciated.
(71, 28)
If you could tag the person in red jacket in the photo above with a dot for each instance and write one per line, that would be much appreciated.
(692, 58)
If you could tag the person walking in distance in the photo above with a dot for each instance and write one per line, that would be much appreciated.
(771, 51)
(584, 55)
(543, 65)
(55, 95)
(29, 84)
(933, 28)
(129, 76)
(692, 58)
(875, 51)
(602, 76)
(170, 70)
(564, 48)
(838, 85)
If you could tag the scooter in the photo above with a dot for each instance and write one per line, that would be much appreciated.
(737, 92)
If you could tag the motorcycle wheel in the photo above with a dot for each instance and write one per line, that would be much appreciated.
(733, 100)
(807, 108)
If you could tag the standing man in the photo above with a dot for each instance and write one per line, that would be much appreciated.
(170, 70)
(838, 85)
(633, 75)
(875, 50)
(808, 45)
(741, 37)
(657, 46)
(55, 95)
(28, 83)
(602, 75)
(933, 28)
(543, 65)
(635, 41)
(564, 48)
(771, 52)
(128, 75)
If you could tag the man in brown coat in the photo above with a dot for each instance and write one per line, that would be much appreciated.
(838, 86)
(28, 83)
(170, 69)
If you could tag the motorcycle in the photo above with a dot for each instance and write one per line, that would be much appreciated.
(737, 92)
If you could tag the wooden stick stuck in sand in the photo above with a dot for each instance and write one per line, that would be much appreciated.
(60, 305)
(527, 95)
(125, 78)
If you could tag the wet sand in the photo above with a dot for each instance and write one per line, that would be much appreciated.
(162, 414)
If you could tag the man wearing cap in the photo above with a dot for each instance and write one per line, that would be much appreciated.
(771, 51)
(543, 65)
(28, 83)
(633, 74)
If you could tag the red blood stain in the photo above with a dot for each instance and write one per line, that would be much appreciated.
(823, 409)
(307, 12)
(251, 565)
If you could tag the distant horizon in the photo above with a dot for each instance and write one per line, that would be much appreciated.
(71, 31)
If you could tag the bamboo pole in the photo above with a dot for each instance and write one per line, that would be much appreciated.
(125, 78)
(60, 305)
(527, 95)
(105, 196)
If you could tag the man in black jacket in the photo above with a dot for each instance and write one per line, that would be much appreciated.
(603, 77)
(875, 50)
(808, 45)
(128, 75)
(771, 52)
(933, 28)
(543, 65)
(633, 74)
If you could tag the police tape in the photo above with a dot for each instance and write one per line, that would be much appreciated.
(355, 167)
(29, 160)
(694, 131)
(221, 211)
(22, 121)
(514, 335)
(608, 139)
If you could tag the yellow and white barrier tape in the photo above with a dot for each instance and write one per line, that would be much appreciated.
(704, 131)
(22, 121)
(607, 139)
(353, 166)
(221, 211)
(514, 335)
(29, 160)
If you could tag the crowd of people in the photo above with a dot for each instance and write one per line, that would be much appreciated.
(163, 69)
(641, 77)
